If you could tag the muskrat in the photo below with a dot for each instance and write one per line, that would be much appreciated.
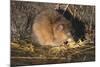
(52, 29)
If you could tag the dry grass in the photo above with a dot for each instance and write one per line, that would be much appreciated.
(80, 51)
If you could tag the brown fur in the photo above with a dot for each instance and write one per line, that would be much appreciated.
(51, 28)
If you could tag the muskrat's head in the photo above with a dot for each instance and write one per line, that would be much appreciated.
(62, 30)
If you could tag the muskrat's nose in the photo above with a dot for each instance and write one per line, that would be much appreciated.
(66, 42)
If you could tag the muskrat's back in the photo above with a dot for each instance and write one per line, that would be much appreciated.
(51, 28)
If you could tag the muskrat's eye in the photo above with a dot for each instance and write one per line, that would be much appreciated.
(66, 42)
(60, 27)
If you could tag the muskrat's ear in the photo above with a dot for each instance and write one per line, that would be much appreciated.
(60, 27)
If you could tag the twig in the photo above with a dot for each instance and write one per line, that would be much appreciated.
(65, 9)
(87, 49)
(37, 58)
(81, 51)
(57, 6)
